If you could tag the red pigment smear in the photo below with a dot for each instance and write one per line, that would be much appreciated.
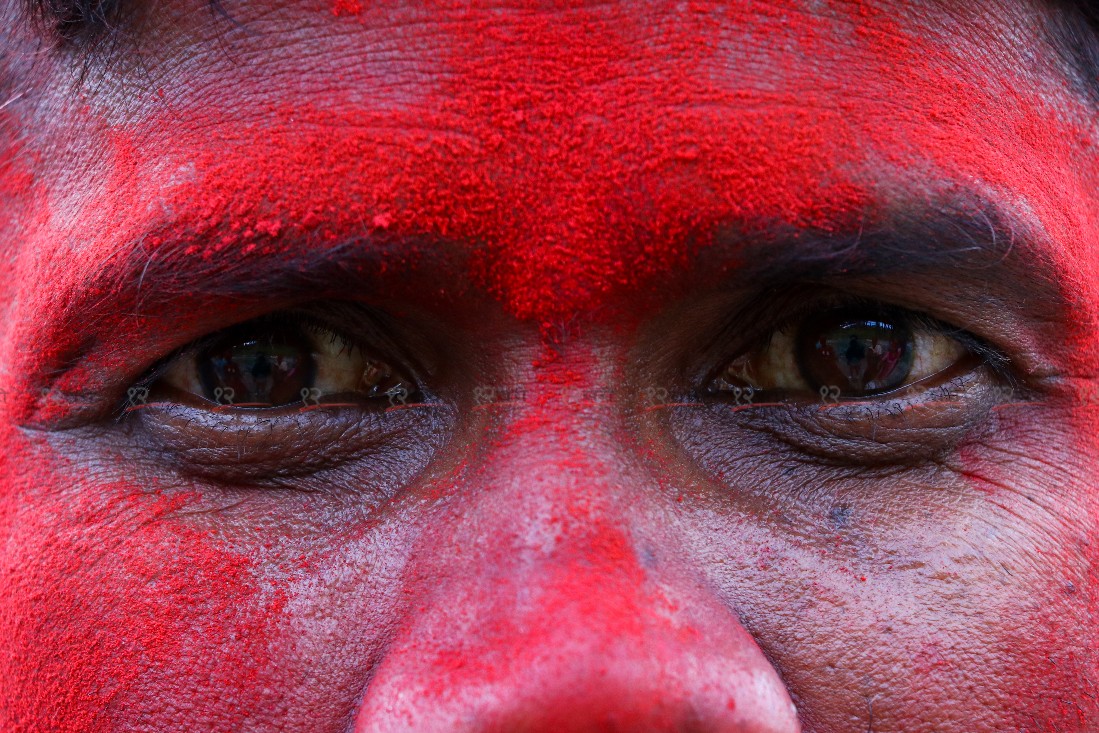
(344, 8)
(116, 591)
(575, 175)
(579, 163)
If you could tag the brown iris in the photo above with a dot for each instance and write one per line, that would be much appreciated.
(283, 359)
(859, 351)
(262, 369)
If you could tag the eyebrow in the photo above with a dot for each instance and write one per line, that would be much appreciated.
(102, 30)
(968, 239)
(136, 296)
(73, 20)
(1073, 31)
(966, 236)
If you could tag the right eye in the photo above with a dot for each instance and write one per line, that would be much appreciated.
(860, 351)
(277, 361)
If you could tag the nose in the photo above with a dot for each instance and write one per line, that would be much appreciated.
(540, 603)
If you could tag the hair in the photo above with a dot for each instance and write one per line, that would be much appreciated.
(1074, 32)
(76, 20)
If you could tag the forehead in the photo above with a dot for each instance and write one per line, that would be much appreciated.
(576, 148)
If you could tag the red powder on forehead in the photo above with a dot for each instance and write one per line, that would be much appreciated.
(630, 163)
(582, 152)
(577, 154)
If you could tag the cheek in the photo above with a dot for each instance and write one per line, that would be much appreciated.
(1037, 483)
(105, 594)
(1024, 548)
(126, 607)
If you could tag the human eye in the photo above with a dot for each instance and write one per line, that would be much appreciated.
(278, 361)
(852, 351)
(854, 381)
(285, 397)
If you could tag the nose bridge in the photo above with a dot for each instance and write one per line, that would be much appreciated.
(549, 525)
(536, 609)
(553, 483)
(561, 511)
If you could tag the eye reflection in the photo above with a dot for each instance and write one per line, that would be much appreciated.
(271, 370)
(278, 361)
(858, 353)
(854, 351)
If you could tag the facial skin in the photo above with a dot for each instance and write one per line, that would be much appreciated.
(558, 223)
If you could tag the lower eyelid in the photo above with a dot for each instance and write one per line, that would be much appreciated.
(905, 428)
(258, 445)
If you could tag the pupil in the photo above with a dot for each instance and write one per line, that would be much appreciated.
(861, 353)
(257, 372)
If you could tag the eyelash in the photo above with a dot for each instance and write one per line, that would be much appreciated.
(789, 317)
(307, 323)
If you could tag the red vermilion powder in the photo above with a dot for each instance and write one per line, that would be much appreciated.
(579, 157)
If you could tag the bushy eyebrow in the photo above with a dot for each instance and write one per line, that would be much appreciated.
(967, 237)
(72, 20)
(1074, 34)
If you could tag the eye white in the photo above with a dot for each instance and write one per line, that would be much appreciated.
(775, 365)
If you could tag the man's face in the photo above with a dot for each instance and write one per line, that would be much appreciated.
(550, 367)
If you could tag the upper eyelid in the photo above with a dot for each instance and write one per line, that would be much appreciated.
(829, 298)
(777, 309)
(296, 316)
(801, 301)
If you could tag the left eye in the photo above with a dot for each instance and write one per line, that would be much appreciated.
(277, 361)
(850, 352)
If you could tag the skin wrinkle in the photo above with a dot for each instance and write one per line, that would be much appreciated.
(580, 186)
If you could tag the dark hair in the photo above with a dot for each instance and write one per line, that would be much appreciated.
(73, 20)
(1075, 36)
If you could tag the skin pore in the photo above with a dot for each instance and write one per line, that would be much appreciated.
(568, 231)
